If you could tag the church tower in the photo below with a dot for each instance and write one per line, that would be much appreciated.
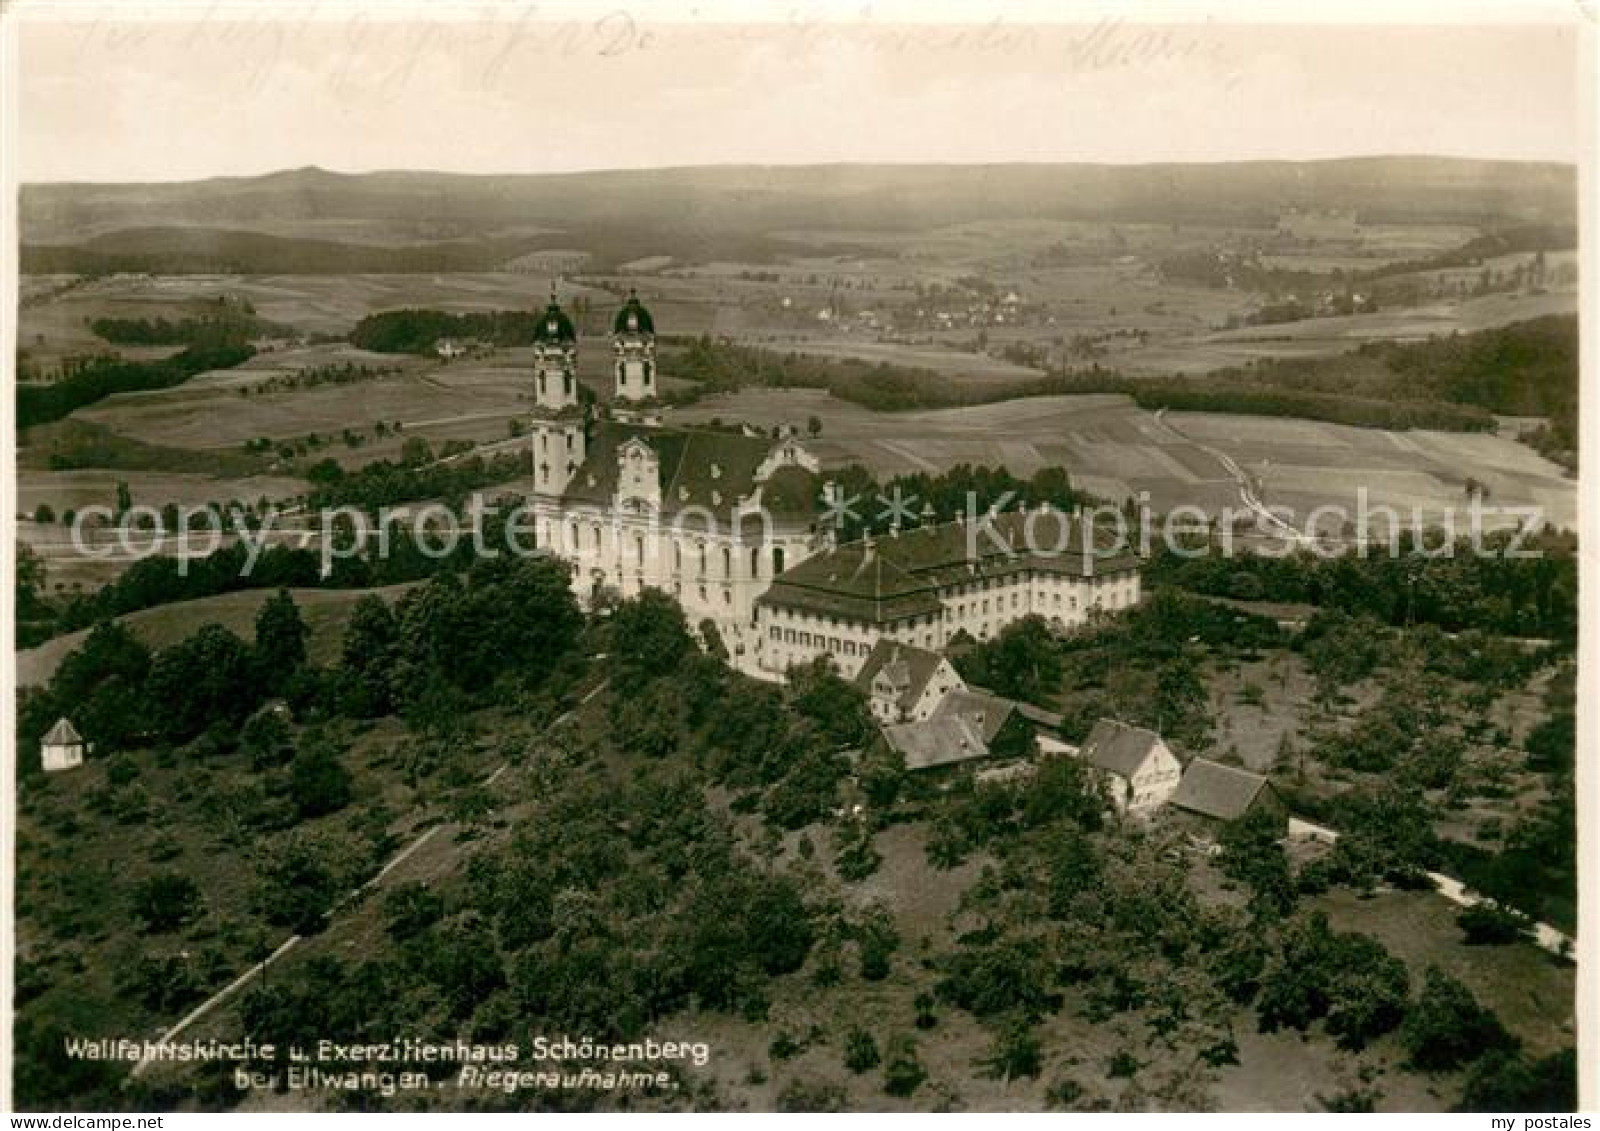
(633, 346)
(557, 424)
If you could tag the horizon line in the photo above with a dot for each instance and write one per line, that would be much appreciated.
(800, 165)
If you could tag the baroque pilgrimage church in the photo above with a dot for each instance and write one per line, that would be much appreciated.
(732, 524)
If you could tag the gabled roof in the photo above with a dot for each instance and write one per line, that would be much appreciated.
(1118, 748)
(935, 742)
(910, 668)
(900, 575)
(62, 734)
(1214, 790)
(985, 712)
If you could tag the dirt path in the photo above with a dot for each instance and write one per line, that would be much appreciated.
(1247, 489)
(289, 944)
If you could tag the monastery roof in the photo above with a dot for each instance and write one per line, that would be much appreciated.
(1214, 790)
(896, 576)
(1118, 748)
(703, 468)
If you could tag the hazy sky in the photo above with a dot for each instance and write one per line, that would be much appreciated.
(515, 91)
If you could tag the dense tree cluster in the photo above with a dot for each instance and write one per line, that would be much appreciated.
(1491, 591)
(416, 476)
(101, 377)
(416, 331)
(223, 320)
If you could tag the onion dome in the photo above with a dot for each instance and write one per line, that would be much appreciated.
(555, 326)
(633, 318)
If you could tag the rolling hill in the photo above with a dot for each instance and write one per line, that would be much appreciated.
(448, 221)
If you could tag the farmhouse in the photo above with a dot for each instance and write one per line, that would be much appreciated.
(925, 585)
(905, 683)
(1140, 770)
(1217, 793)
(62, 747)
(937, 743)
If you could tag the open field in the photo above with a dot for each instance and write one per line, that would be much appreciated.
(312, 304)
(325, 612)
(1116, 450)
(1532, 992)
(213, 417)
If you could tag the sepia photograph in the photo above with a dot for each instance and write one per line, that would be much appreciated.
(961, 557)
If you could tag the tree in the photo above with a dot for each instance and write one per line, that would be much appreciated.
(410, 909)
(1348, 979)
(1064, 789)
(280, 639)
(1489, 924)
(209, 679)
(860, 1051)
(835, 705)
(649, 638)
(1446, 1027)
(814, 425)
(1023, 662)
(44, 513)
(166, 901)
(1507, 1081)
(30, 587)
(298, 888)
(368, 657)
(1016, 1051)
(809, 790)
(810, 1096)
(854, 856)
(649, 722)
(1253, 855)
(903, 1073)
(1367, 993)
(882, 773)
(877, 939)
(711, 637)
(318, 781)
(265, 739)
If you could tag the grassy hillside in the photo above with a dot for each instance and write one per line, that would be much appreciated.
(326, 612)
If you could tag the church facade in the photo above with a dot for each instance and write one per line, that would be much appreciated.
(708, 515)
(730, 522)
